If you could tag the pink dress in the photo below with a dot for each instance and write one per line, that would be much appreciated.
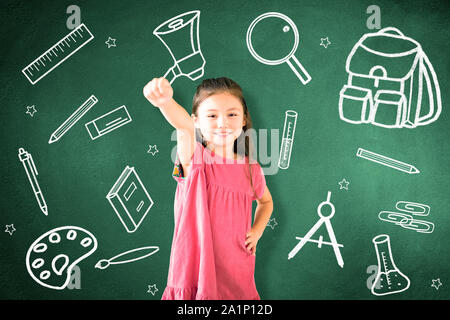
(213, 213)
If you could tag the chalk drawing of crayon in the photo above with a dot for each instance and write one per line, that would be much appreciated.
(386, 161)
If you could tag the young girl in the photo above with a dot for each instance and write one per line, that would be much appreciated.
(214, 243)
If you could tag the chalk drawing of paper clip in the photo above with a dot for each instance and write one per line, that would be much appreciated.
(406, 221)
(395, 217)
(419, 226)
(417, 209)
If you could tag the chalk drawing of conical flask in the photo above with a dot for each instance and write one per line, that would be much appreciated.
(389, 278)
(180, 35)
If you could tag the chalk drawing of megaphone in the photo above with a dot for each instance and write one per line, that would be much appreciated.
(180, 35)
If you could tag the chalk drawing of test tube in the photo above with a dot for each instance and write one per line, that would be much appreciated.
(290, 122)
(181, 37)
(288, 32)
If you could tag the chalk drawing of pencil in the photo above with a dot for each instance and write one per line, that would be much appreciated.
(386, 161)
(108, 122)
(85, 107)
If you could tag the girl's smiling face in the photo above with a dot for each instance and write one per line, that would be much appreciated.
(220, 118)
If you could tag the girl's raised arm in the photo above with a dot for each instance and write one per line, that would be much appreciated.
(160, 93)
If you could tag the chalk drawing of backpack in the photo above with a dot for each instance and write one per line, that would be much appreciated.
(387, 74)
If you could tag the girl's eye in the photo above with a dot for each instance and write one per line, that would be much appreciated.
(233, 114)
(211, 116)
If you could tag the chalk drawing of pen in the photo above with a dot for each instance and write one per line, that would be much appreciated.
(30, 169)
(126, 257)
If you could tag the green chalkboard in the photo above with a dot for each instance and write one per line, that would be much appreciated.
(358, 119)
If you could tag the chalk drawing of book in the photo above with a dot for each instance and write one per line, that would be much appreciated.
(108, 122)
(390, 80)
(181, 37)
(130, 199)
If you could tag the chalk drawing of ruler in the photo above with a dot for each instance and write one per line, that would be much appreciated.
(57, 54)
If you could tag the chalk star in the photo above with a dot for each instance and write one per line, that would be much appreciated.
(150, 149)
(152, 289)
(111, 42)
(324, 44)
(436, 283)
(344, 184)
(10, 231)
(31, 110)
(272, 223)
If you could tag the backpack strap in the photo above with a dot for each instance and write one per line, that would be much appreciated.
(434, 93)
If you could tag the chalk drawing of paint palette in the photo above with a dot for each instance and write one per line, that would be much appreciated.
(51, 257)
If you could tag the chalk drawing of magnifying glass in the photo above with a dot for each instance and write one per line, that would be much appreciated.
(283, 29)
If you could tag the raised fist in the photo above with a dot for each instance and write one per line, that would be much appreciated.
(159, 92)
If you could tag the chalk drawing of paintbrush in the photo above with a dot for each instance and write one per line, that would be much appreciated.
(126, 257)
